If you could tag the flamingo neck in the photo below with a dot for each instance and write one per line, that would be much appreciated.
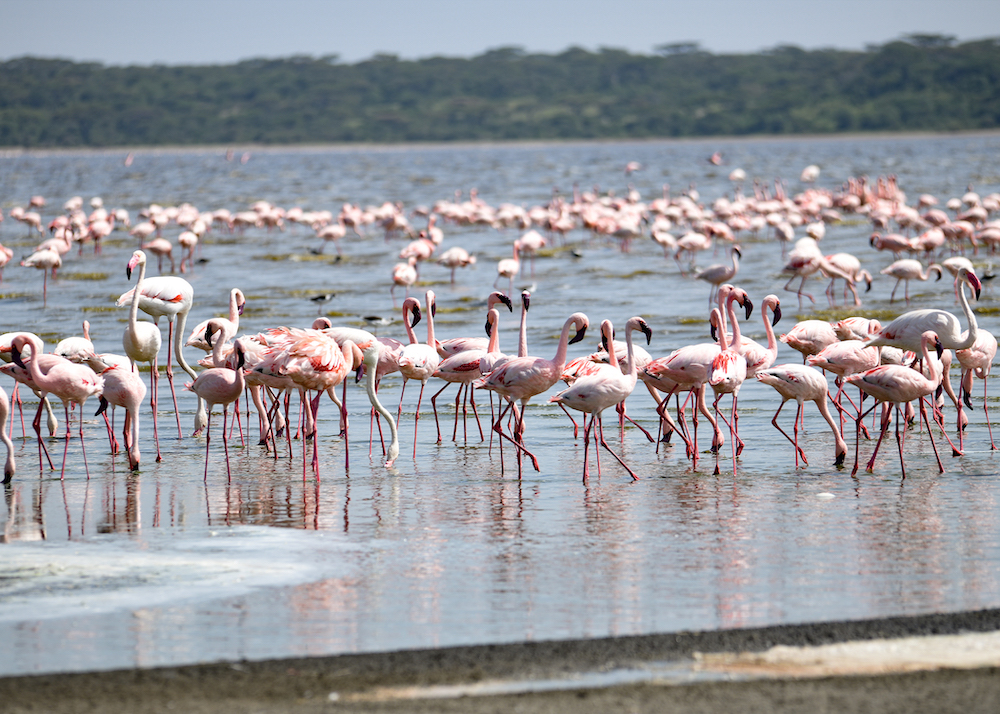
(493, 317)
(560, 358)
(133, 313)
(772, 344)
(522, 335)
(234, 310)
(970, 316)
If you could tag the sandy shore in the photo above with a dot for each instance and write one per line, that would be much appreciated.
(750, 670)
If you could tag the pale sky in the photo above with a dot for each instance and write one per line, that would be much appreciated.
(144, 32)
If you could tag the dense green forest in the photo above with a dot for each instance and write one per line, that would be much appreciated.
(921, 82)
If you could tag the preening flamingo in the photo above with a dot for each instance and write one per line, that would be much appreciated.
(809, 337)
(605, 387)
(716, 275)
(226, 328)
(802, 383)
(76, 349)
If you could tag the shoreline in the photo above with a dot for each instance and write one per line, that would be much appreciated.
(12, 152)
(572, 675)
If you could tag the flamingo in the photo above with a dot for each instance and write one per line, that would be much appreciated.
(802, 383)
(809, 337)
(71, 382)
(521, 378)
(906, 331)
(416, 360)
(454, 345)
(846, 264)
(906, 270)
(463, 368)
(729, 371)
(6, 254)
(46, 260)
(188, 240)
(606, 387)
(456, 257)
(897, 385)
(227, 328)
(171, 297)
(9, 464)
(977, 361)
(142, 340)
(76, 349)
(509, 268)
(161, 248)
(716, 275)
(123, 387)
(405, 275)
(219, 385)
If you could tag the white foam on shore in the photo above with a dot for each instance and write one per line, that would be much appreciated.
(42, 580)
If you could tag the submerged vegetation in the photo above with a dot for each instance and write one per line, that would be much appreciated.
(919, 83)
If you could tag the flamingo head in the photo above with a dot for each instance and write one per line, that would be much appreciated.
(973, 281)
(582, 324)
(646, 330)
(525, 300)
(497, 296)
(775, 315)
(138, 258)
(240, 300)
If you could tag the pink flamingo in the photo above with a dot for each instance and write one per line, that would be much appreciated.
(161, 248)
(802, 383)
(188, 240)
(843, 359)
(729, 371)
(454, 258)
(845, 263)
(9, 465)
(171, 297)
(46, 260)
(123, 387)
(416, 360)
(76, 349)
(463, 368)
(716, 275)
(896, 384)
(69, 381)
(606, 387)
(906, 331)
(809, 337)
(449, 347)
(227, 328)
(6, 254)
(977, 361)
(509, 268)
(522, 378)
(404, 275)
(906, 270)
(219, 385)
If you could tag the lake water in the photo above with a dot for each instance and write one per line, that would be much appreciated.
(163, 567)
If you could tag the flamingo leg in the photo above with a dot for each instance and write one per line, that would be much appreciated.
(154, 400)
(923, 413)
(434, 404)
(225, 442)
(600, 428)
(986, 409)
(472, 402)
(170, 376)
(208, 441)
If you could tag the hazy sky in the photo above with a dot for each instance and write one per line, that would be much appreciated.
(223, 31)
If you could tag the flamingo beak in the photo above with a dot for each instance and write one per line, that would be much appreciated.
(715, 334)
(15, 354)
(647, 332)
(748, 306)
(939, 348)
(507, 301)
(104, 406)
(579, 335)
(489, 329)
(416, 316)
(776, 315)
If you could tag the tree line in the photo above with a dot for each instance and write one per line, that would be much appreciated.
(917, 83)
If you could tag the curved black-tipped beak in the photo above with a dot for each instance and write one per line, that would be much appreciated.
(209, 331)
(869, 288)
(966, 399)
(938, 277)
(507, 301)
(104, 406)
(525, 299)
(647, 332)
(15, 354)
(748, 306)
(938, 347)
(434, 309)
(604, 342)
(939, 391)
(839, 461)
(489, 329)
(128, 272)
(359, 373)
(579, 335)
(714, 333)
(416, 316)
(776, 315)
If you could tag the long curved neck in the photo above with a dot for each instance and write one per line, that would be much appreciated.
(772, 344)
(493, 317)
(737, 336)
(560, 358)
(631, 353)
(371, 367)
(522, 335)
(133, 313)
(410, 334)
(935, 369)
(824, 409)
(430, 326)
(234, 309)
(972, 332)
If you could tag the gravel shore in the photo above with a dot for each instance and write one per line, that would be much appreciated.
(720, 671)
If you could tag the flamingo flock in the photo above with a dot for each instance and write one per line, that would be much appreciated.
(901, 363)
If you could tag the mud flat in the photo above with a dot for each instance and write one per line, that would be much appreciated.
(940, 663)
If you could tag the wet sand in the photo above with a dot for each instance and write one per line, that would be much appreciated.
(718, 671)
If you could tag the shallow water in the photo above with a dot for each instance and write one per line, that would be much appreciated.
(163, 567)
